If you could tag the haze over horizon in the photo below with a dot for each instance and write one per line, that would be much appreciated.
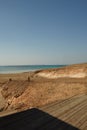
(43, 32)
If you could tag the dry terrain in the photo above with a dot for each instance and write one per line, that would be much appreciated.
(35, 89)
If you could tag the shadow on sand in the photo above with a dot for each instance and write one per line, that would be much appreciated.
(33, 119)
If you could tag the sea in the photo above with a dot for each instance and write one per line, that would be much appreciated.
(25, 68)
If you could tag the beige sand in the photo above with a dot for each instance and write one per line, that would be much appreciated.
(44, 87)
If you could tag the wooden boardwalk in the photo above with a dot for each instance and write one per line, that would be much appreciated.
(72, 111)
(70, 114)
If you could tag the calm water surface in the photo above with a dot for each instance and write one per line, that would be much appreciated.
(26, 68)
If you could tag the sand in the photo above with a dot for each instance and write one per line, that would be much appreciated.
(36, 89)
(2, 101)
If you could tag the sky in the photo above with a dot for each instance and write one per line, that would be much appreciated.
(34, 32)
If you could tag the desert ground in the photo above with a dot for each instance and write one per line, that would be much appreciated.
(27, 90)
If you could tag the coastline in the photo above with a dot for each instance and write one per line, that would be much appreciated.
(26, 68)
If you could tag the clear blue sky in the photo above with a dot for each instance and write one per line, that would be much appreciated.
(43, 32)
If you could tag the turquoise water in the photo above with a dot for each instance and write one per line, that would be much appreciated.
(26, 68)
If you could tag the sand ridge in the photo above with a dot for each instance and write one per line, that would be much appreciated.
(73, 71)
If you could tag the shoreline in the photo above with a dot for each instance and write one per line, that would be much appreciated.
(15, 72)
(26, 68)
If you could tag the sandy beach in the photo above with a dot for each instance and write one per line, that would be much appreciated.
(35, 89)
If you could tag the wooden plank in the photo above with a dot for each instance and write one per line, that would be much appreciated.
(72, 111)
(33, 119)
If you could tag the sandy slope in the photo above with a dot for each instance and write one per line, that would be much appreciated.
(2, 101)
(22, 94)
